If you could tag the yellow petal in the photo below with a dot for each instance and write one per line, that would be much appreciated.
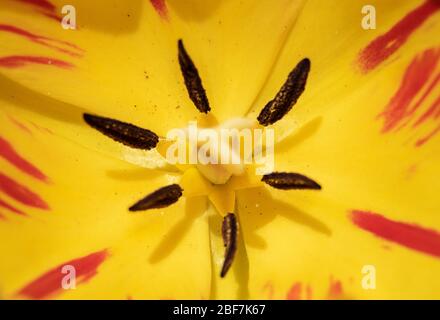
(74, 211)
(194, 184)
(127, 66)
(304, 244)
(299, 244)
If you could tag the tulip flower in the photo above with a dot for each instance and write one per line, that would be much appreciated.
(91, 208)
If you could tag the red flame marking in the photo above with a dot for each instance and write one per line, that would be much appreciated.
(385, 45)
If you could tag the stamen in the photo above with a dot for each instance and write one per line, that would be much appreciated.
(192, 79)
(229, 233)
(122, 132)
(160, 198)
(289, 93)
(289, 181)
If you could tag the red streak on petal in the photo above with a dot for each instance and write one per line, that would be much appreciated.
(385, 45)
(411, 171)
(408, 235)
(19, 125)
(294, 292)
(43, 4)
(416, 76)
(21, 193)
(45, 7)
(55, 17)
(21, 61)
(161, 8)
(431, 112)
(49, 283)
(425, 139)
(42, 40)
(335, 289)
(8, 152)
(403, 109)
(6, 205)
(40, 128)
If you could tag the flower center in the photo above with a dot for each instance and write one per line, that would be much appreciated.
(218, 151)
(224, 150)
